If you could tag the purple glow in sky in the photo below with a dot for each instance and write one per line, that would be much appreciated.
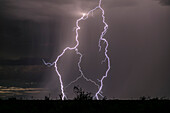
(138, 36)
(84, 17)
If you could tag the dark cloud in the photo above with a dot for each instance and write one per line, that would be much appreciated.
(19, 38)
(33, 9)
(165, 2)
(120, 3)
(21, 61)
(43, 10)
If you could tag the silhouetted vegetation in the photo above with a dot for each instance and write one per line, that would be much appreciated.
(81, 95)
(142, 98)
(60, 97)
(154, 98)
(47, 97)
(12, 98)
(142, 105)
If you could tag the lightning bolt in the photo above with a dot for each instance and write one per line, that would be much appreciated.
(75, 48)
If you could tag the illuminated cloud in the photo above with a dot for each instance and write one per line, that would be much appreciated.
(16, 91)
(43, 10)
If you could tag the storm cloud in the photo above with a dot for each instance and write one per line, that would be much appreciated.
(138, 35)
(165, 2)
(43, 10)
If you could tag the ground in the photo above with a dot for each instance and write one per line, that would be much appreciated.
(104, 106)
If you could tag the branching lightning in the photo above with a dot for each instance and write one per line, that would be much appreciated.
(75, 48)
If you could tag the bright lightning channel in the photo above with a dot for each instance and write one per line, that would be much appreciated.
(75, 48)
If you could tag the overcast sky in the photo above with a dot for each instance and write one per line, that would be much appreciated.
(138, 38)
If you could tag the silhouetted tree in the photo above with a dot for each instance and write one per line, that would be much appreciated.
(104, 98)
(164, 98)
(81, 95)
(142, 98)
(12, 98)
(47, 98)
(155, 98)
(32, 97)
(60, 97)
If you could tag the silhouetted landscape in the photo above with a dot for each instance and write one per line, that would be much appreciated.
(133, 50)
(83, 103)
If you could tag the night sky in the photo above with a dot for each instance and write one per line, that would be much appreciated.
(139, 47)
